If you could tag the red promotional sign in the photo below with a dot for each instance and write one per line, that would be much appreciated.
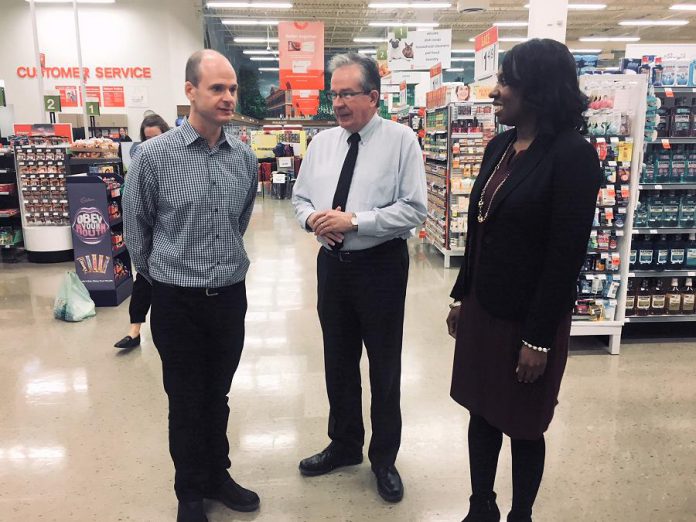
(44, 129)
(306, 102)
(301, 49)
(487, 38)
(93, 93)
(114, 96)
(68, 95)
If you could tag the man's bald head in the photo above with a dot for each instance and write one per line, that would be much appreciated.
(193, 65)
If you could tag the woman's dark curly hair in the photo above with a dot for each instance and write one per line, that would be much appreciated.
(544, 72)
(153, 120)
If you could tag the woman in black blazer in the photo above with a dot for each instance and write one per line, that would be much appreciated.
(529, 221)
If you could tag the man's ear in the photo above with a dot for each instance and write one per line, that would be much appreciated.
(189, 89)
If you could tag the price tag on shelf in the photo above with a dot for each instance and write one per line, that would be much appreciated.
(614, 139)
(666, 144)
(631, 274)
(619, 233)
(658, 187)
(669, 92)
(600, 140)
(691, 274)
(653, 231)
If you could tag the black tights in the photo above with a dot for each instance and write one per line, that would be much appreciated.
(485, 442)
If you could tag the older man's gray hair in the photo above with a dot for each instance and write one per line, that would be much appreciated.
(370, 80)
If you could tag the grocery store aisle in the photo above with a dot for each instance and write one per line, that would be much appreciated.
(83, 428)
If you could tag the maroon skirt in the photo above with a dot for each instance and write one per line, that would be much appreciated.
(484, 379)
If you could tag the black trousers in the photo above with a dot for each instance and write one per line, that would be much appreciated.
(141, 299)
(361, 300)
(200, 341)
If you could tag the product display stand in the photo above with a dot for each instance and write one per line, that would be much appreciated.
(455, 139)
(11, 240)
(102, 261)
(616, 121)
(663, 249)
(41, 172)
(413, 119)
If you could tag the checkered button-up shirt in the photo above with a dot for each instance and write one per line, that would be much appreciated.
(186, 207)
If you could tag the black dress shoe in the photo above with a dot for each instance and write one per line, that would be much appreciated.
(516, 516)
(235, 496)
(328, 460)
(482, 508)
(191, 512)
(128, 342)
(389, 483)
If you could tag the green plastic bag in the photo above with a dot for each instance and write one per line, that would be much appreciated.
(73, 302)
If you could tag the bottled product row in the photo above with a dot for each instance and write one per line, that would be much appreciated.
(675, 165)
(665, 252)
(665, 209)
(660, 297)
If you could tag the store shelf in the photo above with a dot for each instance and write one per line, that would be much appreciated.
(675, 90)
(656, 231)
(685, 272)
(672, 141)
(94, 161)
(13, 245)
(6, 171)
(436, 131)
(461, 135)
(661, 318)
(667, 186)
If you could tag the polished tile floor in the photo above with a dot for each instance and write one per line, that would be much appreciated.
(83, 428)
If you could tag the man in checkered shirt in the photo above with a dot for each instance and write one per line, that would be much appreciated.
(187, 203)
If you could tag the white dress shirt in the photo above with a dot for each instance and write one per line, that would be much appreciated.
(388, 190)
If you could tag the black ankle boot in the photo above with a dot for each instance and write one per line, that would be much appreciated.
(516, 516)
(482, 508)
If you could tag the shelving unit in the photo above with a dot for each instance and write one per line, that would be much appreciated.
(102, 261)
(602, 284)
(666, 205)
(455, 137)
(11, 239)
(413, 119)
(41, 173)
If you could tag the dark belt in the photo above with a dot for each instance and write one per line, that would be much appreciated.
(346, 256)
(196, 291)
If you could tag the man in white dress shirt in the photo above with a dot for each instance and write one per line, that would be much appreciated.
(361, 190)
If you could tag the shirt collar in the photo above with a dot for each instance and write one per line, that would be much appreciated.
(368, 130)
(191, 135)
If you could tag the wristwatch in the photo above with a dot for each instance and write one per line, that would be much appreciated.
(354, 222)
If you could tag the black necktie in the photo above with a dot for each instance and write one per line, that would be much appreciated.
(341, 196)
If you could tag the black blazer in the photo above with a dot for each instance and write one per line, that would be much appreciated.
(536, 232)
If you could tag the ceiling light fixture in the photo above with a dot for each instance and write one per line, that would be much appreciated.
(243, 39)
(367, 51)
(455, 69)
(585, 51)
(507, 39)
(246, 5)
(583, 7)
(409, 5)
(610, 39)
(263, 59)
(683, 7)
(511, 24)
(653, 23)
(268, 69)
(249, 22)
(404, 24)
(369, 40)
(461, 59)
(463, 51)
(259, 51)
(70, 1)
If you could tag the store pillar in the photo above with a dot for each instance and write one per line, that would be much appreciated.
(548, 19)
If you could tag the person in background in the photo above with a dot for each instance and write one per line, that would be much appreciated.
(362, 191)
(152, 126)
(463, 92)
(123, 135)
(187, 204)
(528, 226)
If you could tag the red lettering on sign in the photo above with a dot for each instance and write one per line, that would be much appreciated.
(147, 72)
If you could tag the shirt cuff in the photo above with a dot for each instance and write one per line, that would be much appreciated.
(367, 223)
(303, 217)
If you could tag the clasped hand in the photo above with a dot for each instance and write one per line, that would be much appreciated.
(330, 224)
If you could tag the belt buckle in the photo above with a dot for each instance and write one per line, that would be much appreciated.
(209, 294)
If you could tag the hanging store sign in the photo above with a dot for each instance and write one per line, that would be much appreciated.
(420, 50)
(301, 60)
(73, 73)
(486, 54)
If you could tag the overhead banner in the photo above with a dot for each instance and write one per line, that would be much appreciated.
(305, 103)
(436, 76)
(301, 49)
(419, 50)
(486, 54)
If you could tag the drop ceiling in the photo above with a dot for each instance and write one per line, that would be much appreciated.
(346, 20)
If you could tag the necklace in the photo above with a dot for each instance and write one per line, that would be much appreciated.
(481, 216)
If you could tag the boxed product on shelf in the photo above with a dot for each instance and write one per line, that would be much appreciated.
(94, 148)
(41, 175)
